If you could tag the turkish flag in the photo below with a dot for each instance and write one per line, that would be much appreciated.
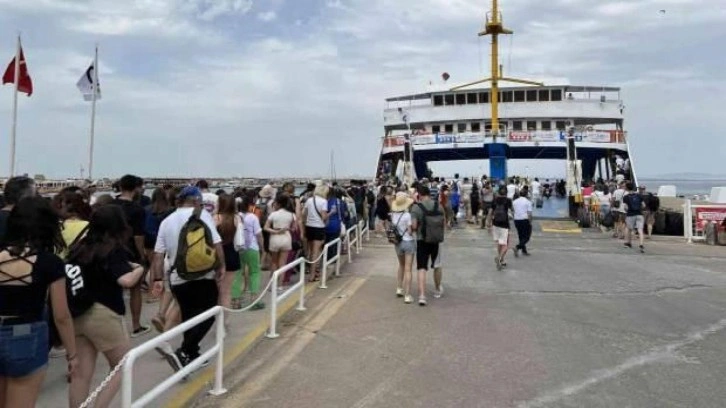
(25, 84)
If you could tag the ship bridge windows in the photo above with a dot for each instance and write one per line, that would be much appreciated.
(517, 125)
(531, 125)
(449, 99)
(438, 100)
(435, 129)
(475, 127)
(532, 96)
(561, 125)
(471, 98)
(461, 127)
(546, 125)
(544, 95)
(506, 96)
(449, 128)
(483, 97)
(461, 99)
(556, 95)
(519, 96)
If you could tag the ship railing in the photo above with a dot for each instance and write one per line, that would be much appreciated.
(329, 260)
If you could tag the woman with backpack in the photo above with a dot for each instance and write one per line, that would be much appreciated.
(29, 271)
(228, 222)
(98, 315)
(405, 244)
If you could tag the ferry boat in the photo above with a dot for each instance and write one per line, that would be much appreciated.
(511, 119)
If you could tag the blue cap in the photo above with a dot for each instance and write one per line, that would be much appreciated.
(190, 191)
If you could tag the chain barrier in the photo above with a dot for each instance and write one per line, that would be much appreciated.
(92, 396)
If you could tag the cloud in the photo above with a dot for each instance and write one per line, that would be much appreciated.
(220, 88)
(267, 16)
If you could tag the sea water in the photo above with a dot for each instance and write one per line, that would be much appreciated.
(683, 187)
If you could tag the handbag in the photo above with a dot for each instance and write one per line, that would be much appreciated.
(393, 234)
(239, 235)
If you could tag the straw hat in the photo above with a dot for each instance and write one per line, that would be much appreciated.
(401, 203)
(267, 192)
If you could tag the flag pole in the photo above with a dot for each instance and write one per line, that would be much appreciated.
(94, 90)
(13, 132)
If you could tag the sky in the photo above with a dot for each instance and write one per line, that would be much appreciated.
(227, 88)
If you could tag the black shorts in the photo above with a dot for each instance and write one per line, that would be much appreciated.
(426, 251)
(314, 233)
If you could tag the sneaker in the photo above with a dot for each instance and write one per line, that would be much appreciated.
(525, 253)
(440, 292)
(628, 245)
(399, 292)
(57, 352)
(408, 299)
(642, 249)
(171, 356)
(422, 301)
(140, 331)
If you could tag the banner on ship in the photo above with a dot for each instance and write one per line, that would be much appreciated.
(704, 215)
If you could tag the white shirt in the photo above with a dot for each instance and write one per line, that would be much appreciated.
(210, 202)
(314, 218)
(167, 241)
(604, 198)
(536, 185)
(618, 196)
(251, 227)
(522, 208)
(511, 191)
(402, 221)
(281, 219)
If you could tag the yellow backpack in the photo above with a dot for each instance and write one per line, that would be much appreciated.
(196, 254)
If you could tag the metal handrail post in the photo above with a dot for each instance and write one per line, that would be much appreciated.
(272, 333)
(219, 371)
(337, 261)
(357, 239)
(126, 383)
(301, 305)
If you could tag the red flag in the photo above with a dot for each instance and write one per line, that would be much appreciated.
(25, 84)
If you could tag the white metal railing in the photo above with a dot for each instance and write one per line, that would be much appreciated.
(278, 298)
(329, 261)
(217, 349)
(353, 238)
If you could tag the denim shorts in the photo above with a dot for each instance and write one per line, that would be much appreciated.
(406, 248)
(23, 349)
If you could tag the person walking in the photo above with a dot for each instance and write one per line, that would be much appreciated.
(634, 219)
(194, 296)
(522, 207)
(429, 221)
(499, 215)
(406, 246)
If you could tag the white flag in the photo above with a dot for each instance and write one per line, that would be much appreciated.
(85, 85)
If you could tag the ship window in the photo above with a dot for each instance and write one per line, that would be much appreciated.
(488, 126)
(448, 128)
(544, 95)
(449, 99)
(560, 125)
(518, 96)
(531, 125)
(461, 127)
(556, 95)
(517, 125)
(531, 96)
(546, 125)
(483, 97)
(438, 100)
(471, 98)
(435, 129)
(475, 127)
(507, 96)
(460, 99)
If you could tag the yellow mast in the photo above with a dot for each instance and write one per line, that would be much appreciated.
(494, 27)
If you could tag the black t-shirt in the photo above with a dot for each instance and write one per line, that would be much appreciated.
(101, 276)
(498, 203)
(28, 301)
(4, 214)
(135, 217)
(635, 204)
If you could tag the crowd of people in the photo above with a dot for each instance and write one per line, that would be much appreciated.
(66, 260)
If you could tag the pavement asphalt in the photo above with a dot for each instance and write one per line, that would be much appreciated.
(583, 322)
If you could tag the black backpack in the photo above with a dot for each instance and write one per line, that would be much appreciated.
(500, 214)
(433, 224)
